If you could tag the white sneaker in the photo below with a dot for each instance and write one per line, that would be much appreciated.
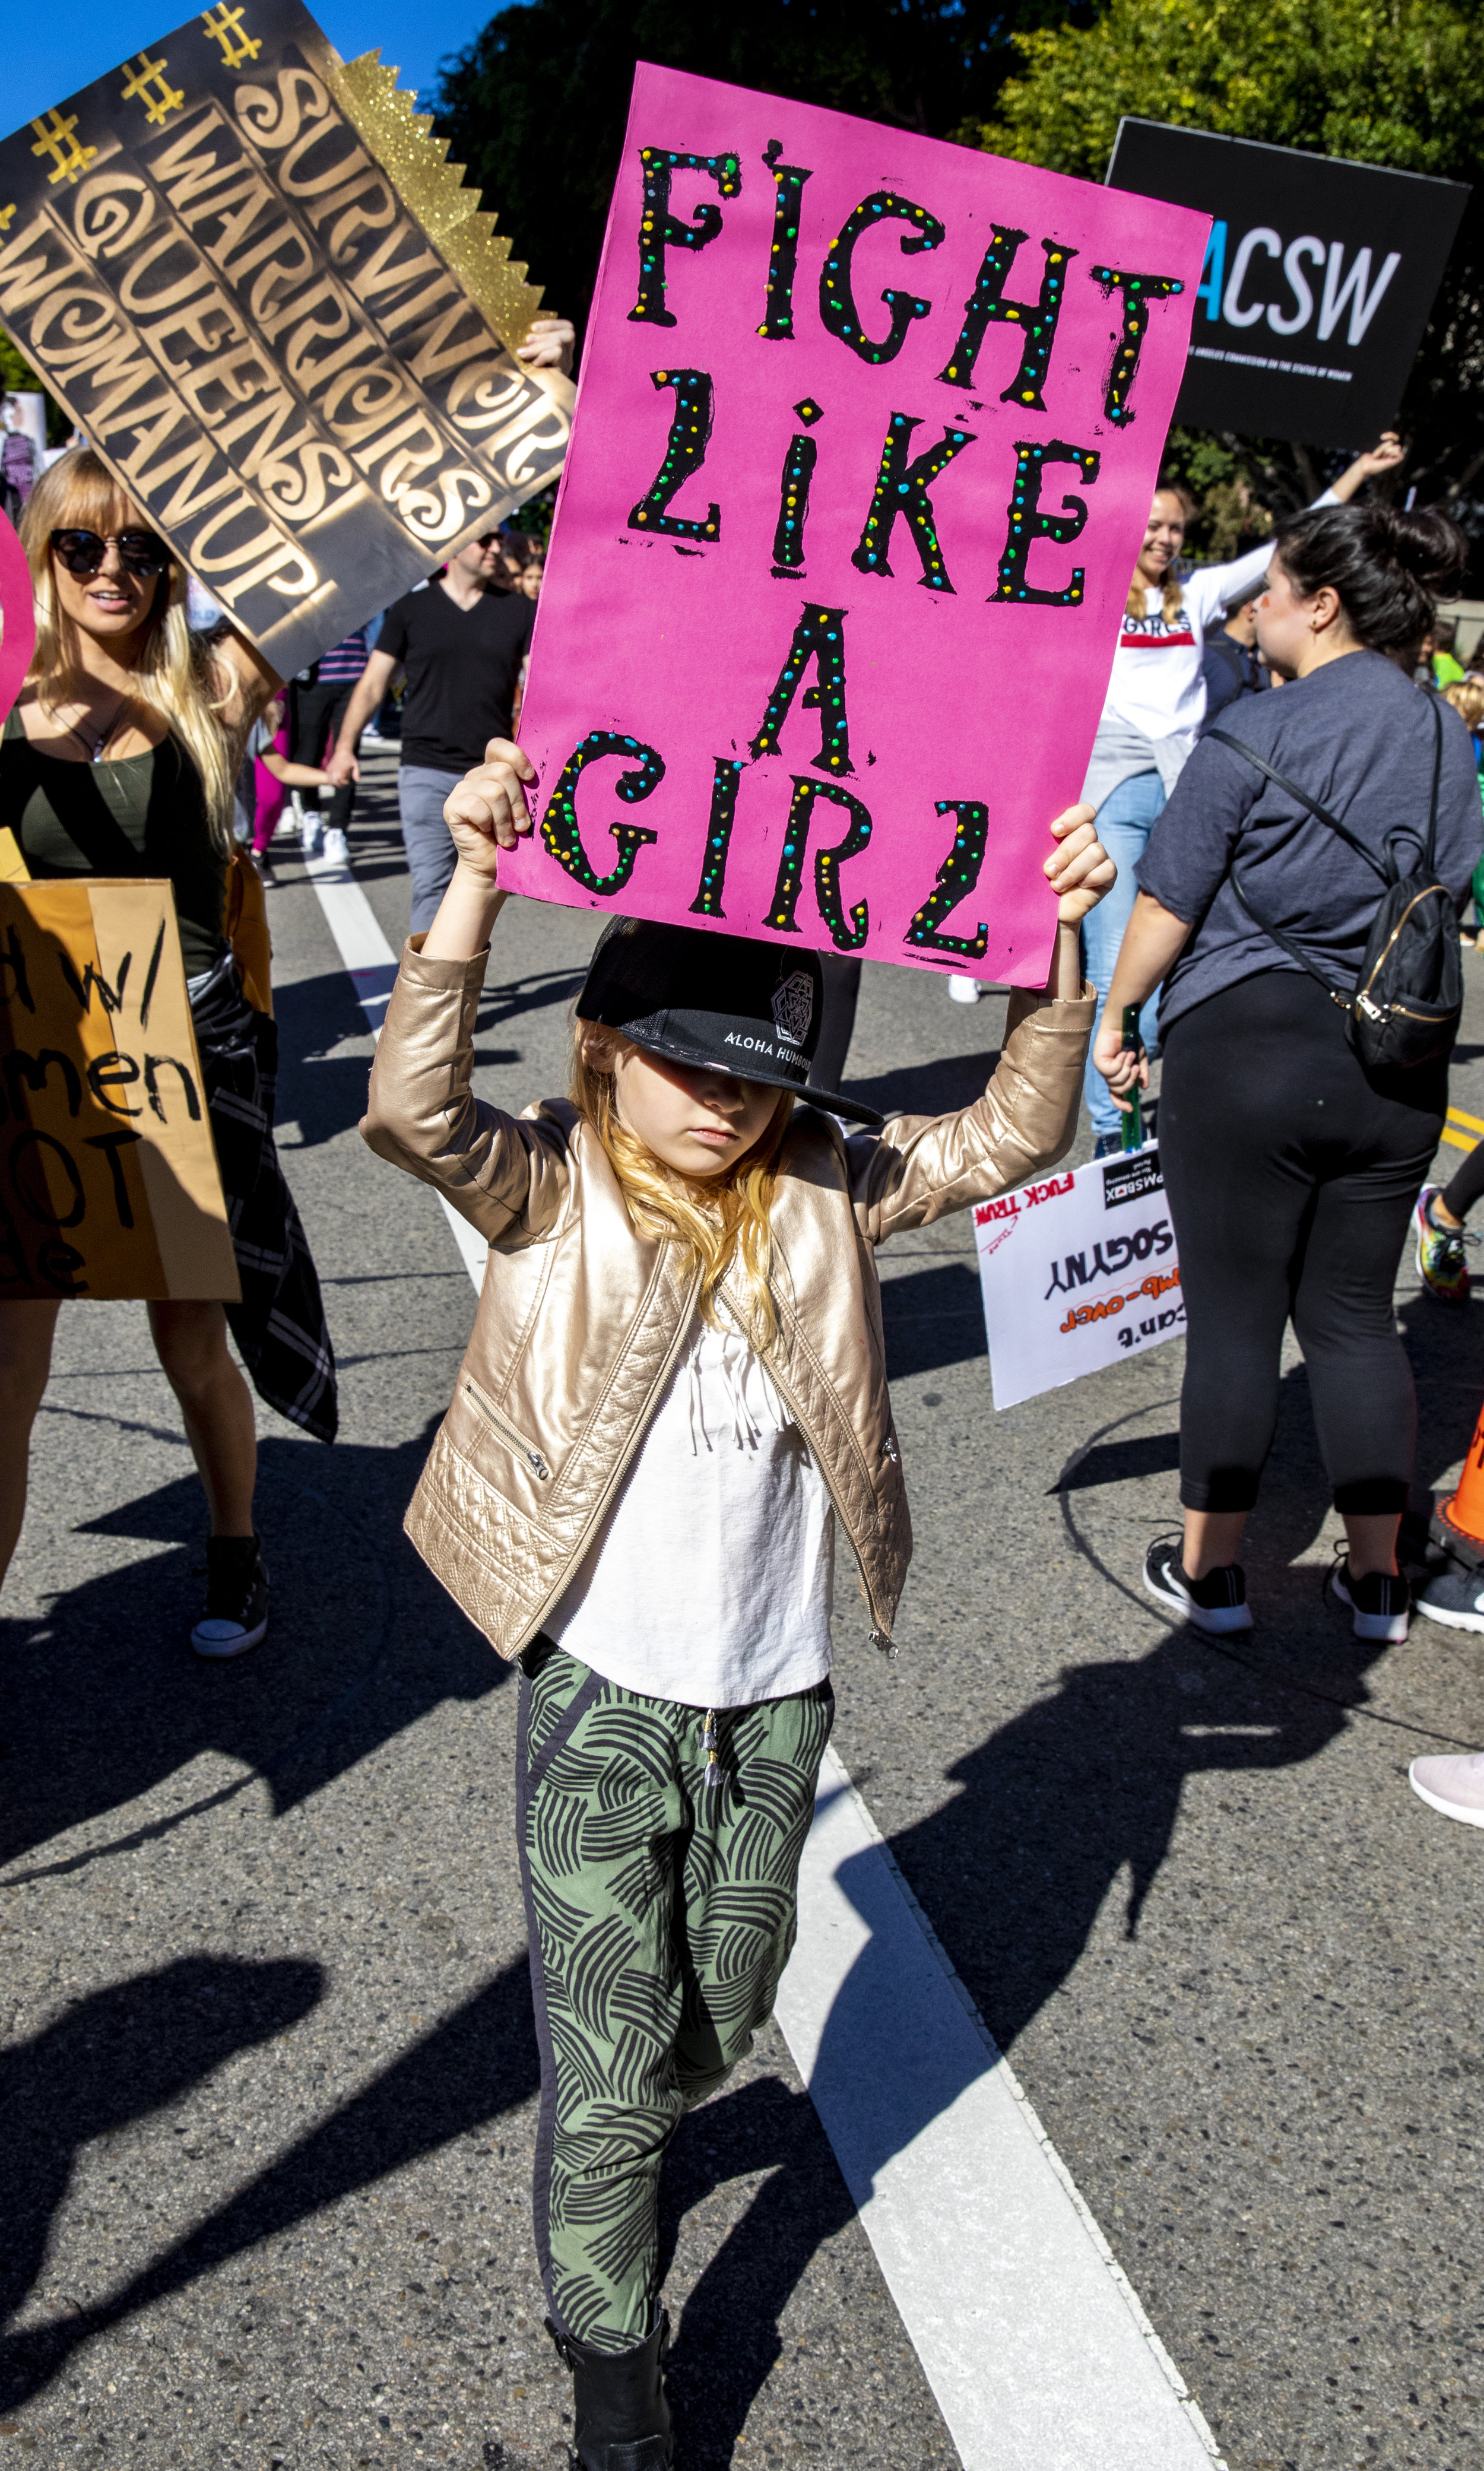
(337, 848)
(372, 738)
(1456, 1786)
(963, 990)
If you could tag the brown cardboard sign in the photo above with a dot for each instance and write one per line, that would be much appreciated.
(246, 270)
(108, 1181)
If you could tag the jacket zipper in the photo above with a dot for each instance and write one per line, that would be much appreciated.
(507, 1433)
(599, 1513)
(880, 1636)
(1362, 997)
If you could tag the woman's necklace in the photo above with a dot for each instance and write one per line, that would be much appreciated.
(95, 744)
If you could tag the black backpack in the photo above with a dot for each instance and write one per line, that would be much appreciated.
(1404, 1008)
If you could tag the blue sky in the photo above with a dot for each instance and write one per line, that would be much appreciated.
(51, 50)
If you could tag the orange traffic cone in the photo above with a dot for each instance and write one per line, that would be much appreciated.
(1459, 1522)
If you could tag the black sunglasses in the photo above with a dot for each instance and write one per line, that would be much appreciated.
(141, 554)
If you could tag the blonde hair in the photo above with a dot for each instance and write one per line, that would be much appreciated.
(709, 1224)
(1172, 598)
(173, 674)
(1467, 698)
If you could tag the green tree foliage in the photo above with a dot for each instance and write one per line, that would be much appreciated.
(18, 377)
(535, 107)
(1400, 82)
(15, 374)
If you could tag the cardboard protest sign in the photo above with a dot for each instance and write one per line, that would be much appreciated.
(1077, 1271)
(108, 1182)
(865, 443)
(1319, 278)
(247, 272)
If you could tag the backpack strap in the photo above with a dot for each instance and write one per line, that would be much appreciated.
(1429, 860)
(1388, 874)
(1294, 951)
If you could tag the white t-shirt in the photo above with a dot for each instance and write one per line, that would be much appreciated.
(1156, 695)
(710, 1580)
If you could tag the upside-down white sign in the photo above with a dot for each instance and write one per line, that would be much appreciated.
(1078, 1271)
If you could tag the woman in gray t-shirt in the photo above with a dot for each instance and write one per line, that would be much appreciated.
(1292, 1170)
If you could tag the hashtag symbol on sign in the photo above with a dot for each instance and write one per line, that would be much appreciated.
(55, 138)
(144, 73)
(224, 25)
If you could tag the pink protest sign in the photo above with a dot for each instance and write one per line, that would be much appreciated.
(17, 617)
(863, 451)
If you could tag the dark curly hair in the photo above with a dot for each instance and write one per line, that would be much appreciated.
(1386, 565)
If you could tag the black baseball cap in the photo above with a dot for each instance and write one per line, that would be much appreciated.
(753, 1010)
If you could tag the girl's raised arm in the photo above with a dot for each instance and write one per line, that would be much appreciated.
(488, 813)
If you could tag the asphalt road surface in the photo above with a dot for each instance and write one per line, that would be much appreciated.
(267, 2078)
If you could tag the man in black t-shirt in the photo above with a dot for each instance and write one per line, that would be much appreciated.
(463, 641)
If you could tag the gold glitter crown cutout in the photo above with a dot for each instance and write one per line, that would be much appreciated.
(404, 145)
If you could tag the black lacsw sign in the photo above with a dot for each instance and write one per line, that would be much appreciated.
(1318, 282)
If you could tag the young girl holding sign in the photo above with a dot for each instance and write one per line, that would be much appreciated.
(675, 1381)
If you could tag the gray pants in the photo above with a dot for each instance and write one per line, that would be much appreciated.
(430, 857)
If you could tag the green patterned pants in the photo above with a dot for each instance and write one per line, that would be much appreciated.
(662, 1912)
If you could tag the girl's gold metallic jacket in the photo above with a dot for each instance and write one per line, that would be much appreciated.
(580, 1318)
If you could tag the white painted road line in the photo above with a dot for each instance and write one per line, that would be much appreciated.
(1035, 2345)
(372, 965)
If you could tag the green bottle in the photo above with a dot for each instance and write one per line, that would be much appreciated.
(1133, 1121)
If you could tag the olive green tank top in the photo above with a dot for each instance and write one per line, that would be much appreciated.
(143, 814)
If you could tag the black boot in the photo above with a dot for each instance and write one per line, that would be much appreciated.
(236, 1615)
(618, 2405)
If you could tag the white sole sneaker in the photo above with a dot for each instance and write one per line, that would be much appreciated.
(220, 1639)
(1390, 1628)
(964, 990)
(1436, 1802)
(1220, 1622)
(1450, 1621)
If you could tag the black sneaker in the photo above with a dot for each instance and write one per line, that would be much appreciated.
(1455, 1597)
(236, 1615)
(1379, 1603)
(1216, 1603)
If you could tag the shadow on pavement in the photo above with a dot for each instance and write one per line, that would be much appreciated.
(325, 1092)
(932, 1318)
(728, 2340)
(479, 2065)
(934, 1088)
(1051, 1810)
(112, 2058)
(1087, 1782)
(105, 1700)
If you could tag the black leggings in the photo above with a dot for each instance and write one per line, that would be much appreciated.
(1461, 1194)
(314, 716)
(1291, 1174)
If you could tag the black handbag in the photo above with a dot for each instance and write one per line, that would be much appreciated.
(1404, 1006)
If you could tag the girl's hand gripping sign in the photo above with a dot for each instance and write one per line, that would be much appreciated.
(866, 437)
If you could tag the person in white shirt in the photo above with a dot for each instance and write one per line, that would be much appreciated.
(1154, 707)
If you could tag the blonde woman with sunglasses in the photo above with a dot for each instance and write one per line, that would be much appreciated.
(120, 759)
